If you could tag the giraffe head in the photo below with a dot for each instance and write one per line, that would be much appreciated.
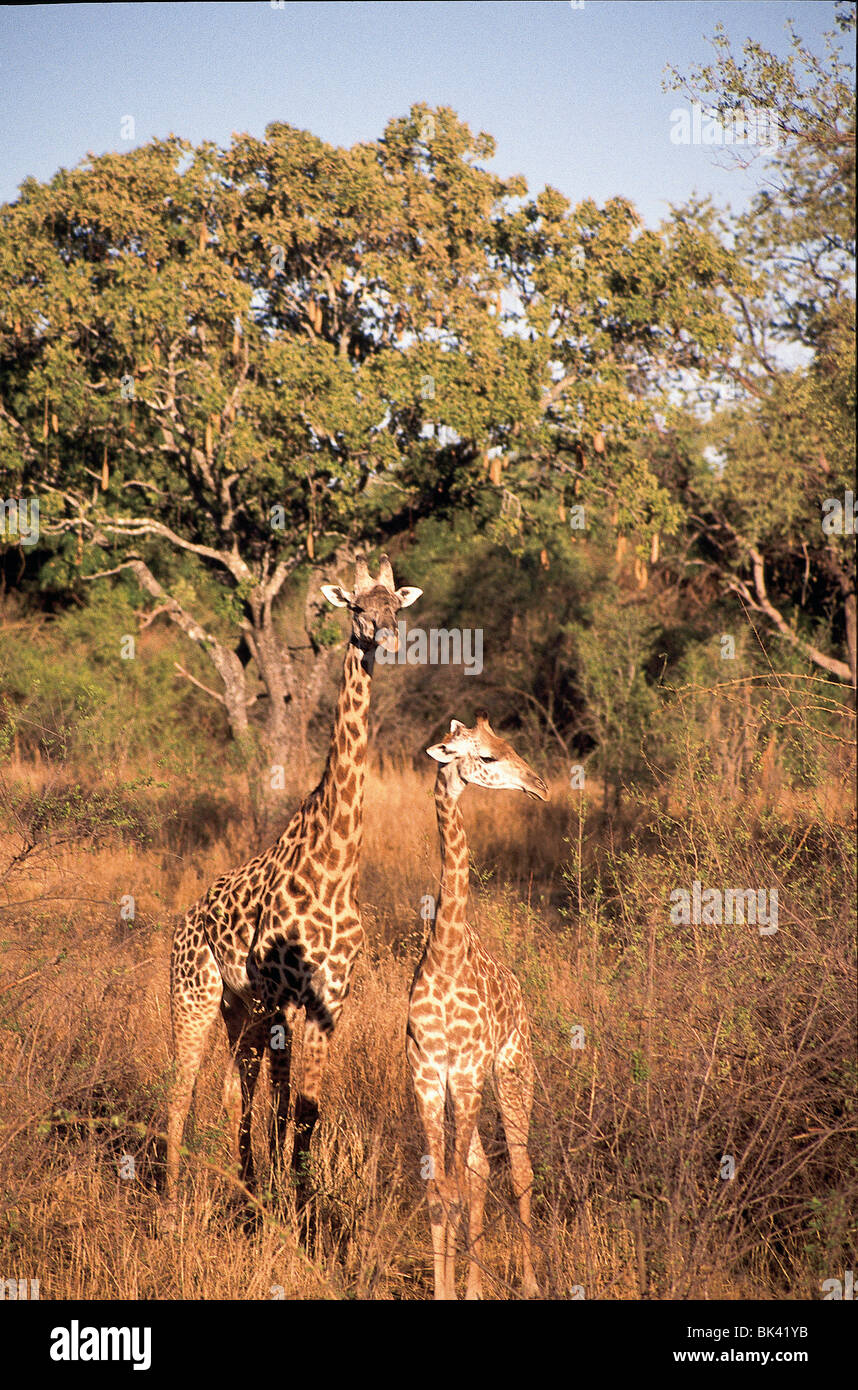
(373, 604)
(478, 755)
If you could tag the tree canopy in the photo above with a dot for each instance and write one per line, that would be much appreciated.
(223, 370)
(260, 355)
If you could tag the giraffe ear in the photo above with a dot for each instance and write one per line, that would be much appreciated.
(336, 594)
(457, 727)
(407, 596)
(439, 753)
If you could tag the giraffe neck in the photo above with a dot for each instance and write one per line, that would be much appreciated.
(340, 793)
(448, 933)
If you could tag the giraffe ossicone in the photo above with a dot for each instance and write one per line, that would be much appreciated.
(283, 931)
(467, 1021)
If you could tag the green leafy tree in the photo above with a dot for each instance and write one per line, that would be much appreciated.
(257, 357)
(776, 512)
(230, 354)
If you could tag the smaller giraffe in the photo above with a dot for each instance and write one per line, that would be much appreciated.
(466, 1017)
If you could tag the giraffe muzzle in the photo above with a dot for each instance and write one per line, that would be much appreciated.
(536, 788)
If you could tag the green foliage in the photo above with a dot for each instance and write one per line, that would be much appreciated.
(68, 693)
(788, 445)
(254, 354)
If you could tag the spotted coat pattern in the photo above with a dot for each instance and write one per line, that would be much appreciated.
(282, 931)
(467, 1022)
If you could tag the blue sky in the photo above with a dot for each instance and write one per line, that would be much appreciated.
(572, 95)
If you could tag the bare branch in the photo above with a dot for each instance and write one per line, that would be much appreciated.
(207, 688)
(136, 526)
(760, 602)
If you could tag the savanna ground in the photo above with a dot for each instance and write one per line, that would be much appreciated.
(660, 1050)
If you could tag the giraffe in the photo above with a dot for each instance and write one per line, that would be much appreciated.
(283, 930)
(466, 1017)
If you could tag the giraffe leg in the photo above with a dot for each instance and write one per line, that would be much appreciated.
(195, 994)
(429, 1077)
(430, 1103)
(514, 1088)
(478, 1173)
(466, 1106)
(280, 1062)
(317, 1033)
(246, 1039)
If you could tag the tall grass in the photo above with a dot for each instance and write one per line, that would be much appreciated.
(662, 1051)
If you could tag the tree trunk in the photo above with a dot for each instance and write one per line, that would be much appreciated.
(293, 686)
(277, 675)
(233, 677)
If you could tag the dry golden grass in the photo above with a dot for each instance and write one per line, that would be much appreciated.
(697, 1043)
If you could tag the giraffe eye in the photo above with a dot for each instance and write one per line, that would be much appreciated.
(486, 758)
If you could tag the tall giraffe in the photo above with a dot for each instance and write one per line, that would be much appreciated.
(283, 930)
(466, 1017)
